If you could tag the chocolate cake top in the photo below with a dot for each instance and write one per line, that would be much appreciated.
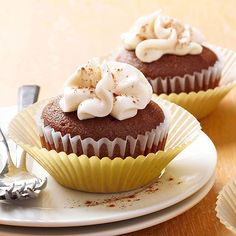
(170, 65)
(105, 127)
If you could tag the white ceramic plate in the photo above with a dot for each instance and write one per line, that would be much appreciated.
(60, 207)
(120, 227)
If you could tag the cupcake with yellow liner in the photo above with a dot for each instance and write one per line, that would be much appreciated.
(142, 158)
(171, 55)
(101, 105)
(175, 60)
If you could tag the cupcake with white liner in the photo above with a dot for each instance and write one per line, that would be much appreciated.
(172, 55)
(106, 110)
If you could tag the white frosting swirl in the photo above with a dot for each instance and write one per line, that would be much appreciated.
(99, 89)
(154, 35)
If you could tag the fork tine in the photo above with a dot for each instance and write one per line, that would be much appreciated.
(18, 194)
(41, 184)
(32, 193)
(18, 187)
(34, 184)
(23, 196)
(10, 188)
(24, 191)
(13, 193)
(8, 196)
(23, 187)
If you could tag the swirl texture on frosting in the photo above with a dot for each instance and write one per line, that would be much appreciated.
(154, 35)
(99, 89)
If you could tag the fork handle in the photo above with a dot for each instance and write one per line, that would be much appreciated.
(27, 95)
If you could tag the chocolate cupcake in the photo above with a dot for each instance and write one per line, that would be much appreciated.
(171, 55)
(106, 110)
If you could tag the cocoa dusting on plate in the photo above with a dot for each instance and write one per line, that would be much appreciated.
(124, 201)
(91, 203)
(127, 200)
(72, 203)
(113, 201)
(151, 190)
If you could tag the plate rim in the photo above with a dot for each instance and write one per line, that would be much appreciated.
(180, 208)
(129, 215)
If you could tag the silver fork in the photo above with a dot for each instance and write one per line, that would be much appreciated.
(17, 182)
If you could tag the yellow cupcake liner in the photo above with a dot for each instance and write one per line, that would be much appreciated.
(202, 103)
(104, 175)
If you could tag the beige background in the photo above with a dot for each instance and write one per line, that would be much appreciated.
(42, 42)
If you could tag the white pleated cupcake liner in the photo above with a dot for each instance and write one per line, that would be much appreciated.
(151, 138)
(203, 79)
(226, 206)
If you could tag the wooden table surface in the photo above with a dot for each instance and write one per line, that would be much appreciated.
(42, 42)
